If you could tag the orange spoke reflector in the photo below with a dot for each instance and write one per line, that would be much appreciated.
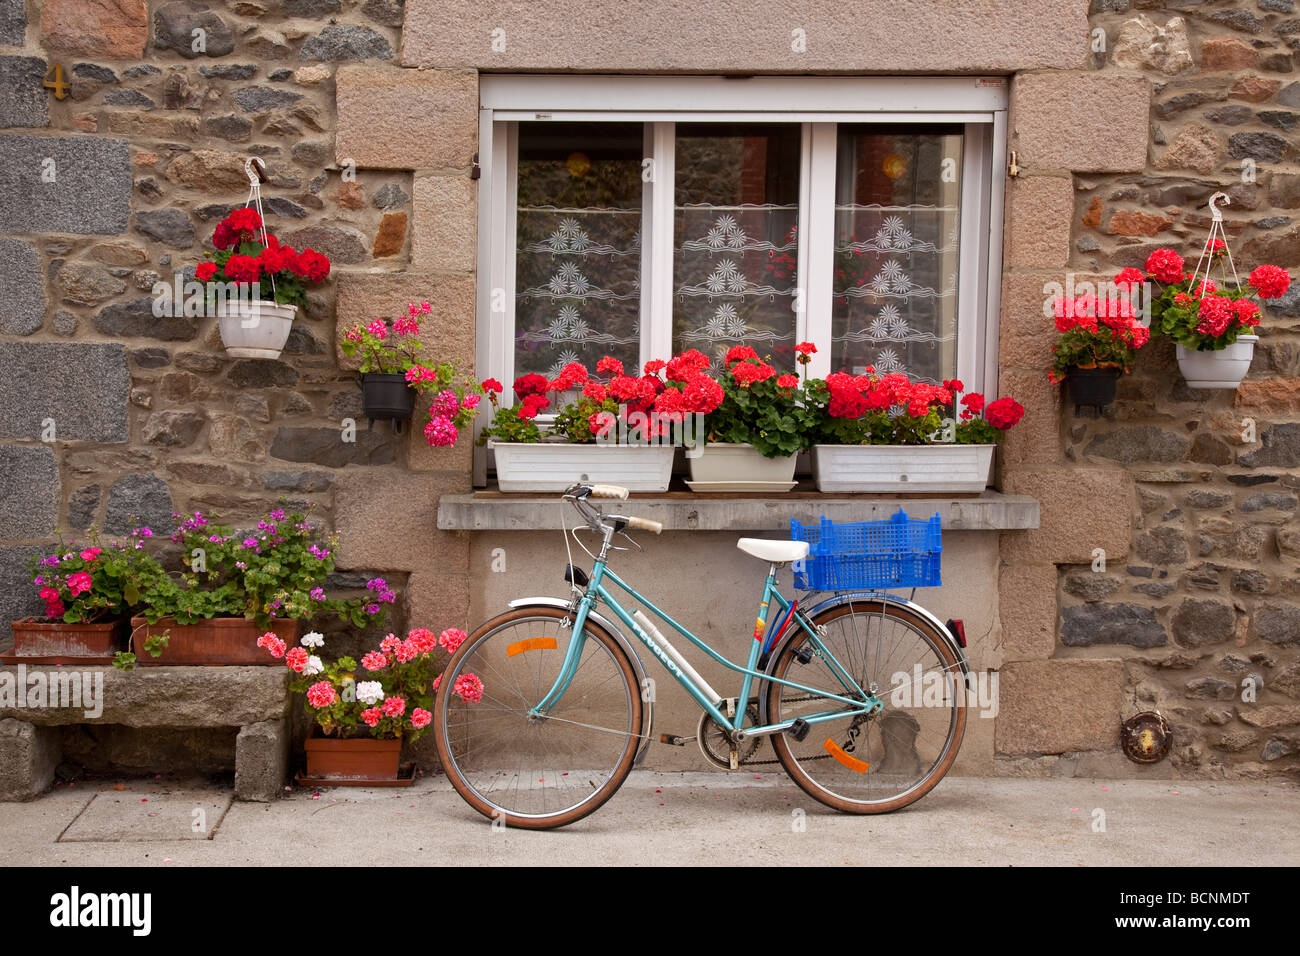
(532, 644)
(850, 761)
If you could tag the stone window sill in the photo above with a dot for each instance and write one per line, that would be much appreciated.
(491, 510)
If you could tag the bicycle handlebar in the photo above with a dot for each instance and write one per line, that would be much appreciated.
(646, 524)
(609, 491)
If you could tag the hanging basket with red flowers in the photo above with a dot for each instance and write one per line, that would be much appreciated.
(254, 283)
(1209, 311)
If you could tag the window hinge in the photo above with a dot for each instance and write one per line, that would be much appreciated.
(1012, 170)
(475, 170)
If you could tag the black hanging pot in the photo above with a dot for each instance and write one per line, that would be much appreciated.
(385, 395)
(1092, 388)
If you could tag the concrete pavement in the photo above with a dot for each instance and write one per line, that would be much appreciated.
(666, 819)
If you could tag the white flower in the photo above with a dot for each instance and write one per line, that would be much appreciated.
(369, 691)
(313, 639)
(314, 665)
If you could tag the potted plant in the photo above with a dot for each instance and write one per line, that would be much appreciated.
(248, 260)
(1096, 346)
(887, 433)
(1212, 323)
(88, 592)
(602, 431)
(393, 370)
(362, 712)
(236, 586)
(755, 420)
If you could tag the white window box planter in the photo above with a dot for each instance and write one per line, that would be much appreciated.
(255, 329)
(739, 467)
(554, 466)
(902, 468)
(1222, 369)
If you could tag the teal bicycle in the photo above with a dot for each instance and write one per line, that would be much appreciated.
(543, 710)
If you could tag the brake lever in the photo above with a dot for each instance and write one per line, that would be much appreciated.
(624, 534)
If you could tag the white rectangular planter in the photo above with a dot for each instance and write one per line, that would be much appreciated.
(902, 468)
(737, 467)
(554, 466)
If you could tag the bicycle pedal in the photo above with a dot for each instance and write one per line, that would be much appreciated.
(799, 729)
(674, 740)
(803, 656)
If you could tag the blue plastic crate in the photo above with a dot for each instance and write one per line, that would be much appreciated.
(900, 552)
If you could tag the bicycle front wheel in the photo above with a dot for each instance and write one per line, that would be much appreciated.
(536, 772)
(894, 757)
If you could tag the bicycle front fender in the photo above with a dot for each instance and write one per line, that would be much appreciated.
(610, 627)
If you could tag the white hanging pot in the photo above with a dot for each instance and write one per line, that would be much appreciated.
(254, 328)
(1224, 368)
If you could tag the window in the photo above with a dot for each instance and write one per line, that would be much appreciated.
(639, 216)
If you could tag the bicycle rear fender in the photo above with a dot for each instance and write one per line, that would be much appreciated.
(647, 706)
(836, 600)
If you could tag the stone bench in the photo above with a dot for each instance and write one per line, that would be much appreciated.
(254, 699)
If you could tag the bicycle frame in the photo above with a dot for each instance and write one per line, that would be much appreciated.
(596, 590)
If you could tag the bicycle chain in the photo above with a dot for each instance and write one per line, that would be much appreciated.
(853, 734)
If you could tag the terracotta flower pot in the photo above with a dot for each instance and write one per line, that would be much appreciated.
(354, 759)
(214, 643)
(54, 642)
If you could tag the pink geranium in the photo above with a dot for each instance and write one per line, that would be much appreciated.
(321, 694)
(469, 687)
(422, 639)
(79, 583)
(296, 658)
(372, 716)
(273, 644)
(420, 718)
(393, 706)
(389, 644)
(451, 639)
(90, 554)
(374, 661)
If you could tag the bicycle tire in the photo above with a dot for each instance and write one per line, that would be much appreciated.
(521, 651)
(900, 766)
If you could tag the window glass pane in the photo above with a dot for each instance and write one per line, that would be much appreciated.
(897, 199)
(578, 245)
(737, 202)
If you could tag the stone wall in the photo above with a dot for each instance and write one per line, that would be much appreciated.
(1120, 135)
(107, 412)
(1201, 586)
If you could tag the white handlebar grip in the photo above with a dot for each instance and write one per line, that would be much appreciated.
(609, 491)
(646, 524)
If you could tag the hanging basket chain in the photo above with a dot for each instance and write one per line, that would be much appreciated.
(255, 199)
(1207, 251)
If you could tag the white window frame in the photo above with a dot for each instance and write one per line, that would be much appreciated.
(979, 104)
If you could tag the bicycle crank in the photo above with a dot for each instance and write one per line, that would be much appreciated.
(715, 740)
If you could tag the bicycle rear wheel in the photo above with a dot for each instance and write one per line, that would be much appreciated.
(894, 757)
(536, 772)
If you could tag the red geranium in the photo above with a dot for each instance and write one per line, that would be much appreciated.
(205, 271)
(242, 269)
(1271, 282)
(533, 404)
(1165, 265)
(1004, 413)
(311, 265)
(530, 384)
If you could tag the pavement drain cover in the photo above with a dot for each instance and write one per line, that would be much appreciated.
(142, 817)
